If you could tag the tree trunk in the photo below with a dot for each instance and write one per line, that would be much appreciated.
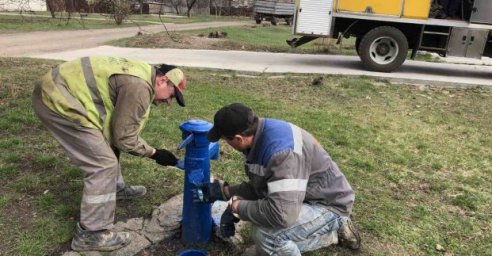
(189, 5)
(51, 8)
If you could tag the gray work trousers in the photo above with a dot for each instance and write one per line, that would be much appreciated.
(90, 151)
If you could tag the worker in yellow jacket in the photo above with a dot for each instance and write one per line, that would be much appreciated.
(95, 107)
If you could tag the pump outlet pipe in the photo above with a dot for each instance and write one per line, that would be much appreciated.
(197, 223)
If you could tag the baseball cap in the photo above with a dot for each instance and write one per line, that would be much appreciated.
(177, 77)
(231, 120)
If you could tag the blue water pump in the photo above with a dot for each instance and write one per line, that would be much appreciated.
(197, 221)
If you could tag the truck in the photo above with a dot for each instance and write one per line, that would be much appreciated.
(274, 10)
(385, 30)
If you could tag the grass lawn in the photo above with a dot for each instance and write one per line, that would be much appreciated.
(264, 37)
(418, 158)
(252, 38)
(42, 21)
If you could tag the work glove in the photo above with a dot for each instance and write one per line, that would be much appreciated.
(227, 221)
(214, 191)
(164, 157)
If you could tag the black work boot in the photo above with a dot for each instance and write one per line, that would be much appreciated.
(103, 240)
(130, 192)
(348, 236)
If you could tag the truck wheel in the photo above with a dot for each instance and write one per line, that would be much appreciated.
(383, 49)
(274, 21)
(258, 21)
(357, 43)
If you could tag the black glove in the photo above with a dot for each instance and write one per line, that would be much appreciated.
(214, 191)
(227, 228)
(164, 157)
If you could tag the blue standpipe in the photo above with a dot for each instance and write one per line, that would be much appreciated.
(197, 223)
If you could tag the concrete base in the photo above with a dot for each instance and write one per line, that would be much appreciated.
(164, 224)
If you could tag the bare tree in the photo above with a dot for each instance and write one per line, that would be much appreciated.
(218, 4)
(189, 5)
(175, 4)
(69, 8)
(50, 5)
(121, 10)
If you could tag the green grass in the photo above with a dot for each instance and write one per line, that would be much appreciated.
(42, 21)
(262, 37)
(252, 37)
(419, 159)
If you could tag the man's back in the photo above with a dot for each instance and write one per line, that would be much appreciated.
(287, 167)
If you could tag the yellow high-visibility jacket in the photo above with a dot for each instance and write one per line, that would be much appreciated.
(80, 90)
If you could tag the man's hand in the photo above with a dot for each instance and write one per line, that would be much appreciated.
(214, 191)
(164, 157)
(227, 221)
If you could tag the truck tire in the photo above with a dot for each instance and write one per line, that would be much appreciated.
(357, 43)
(383, 49)
(258, 18)
(274, 21)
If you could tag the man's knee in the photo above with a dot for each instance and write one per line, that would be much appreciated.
(259, 237)
(263, 241)
(269, 244)
(285, 248)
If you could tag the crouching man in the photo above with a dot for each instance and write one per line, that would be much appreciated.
(296, 197)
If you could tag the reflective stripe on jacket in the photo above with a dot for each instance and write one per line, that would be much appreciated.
(79, 90)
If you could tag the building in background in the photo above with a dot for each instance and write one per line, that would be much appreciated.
(23, 5)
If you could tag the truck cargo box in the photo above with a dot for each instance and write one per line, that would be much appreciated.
(407, 9)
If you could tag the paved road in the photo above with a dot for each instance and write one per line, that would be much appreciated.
(416, 72)
(28, 44)
(67, 45)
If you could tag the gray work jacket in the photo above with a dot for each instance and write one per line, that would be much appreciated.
(287, 167)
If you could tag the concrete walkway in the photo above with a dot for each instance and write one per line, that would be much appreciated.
(31, 43)
(414, 72)
(68, 45)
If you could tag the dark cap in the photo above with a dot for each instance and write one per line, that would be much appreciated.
(231, 120)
